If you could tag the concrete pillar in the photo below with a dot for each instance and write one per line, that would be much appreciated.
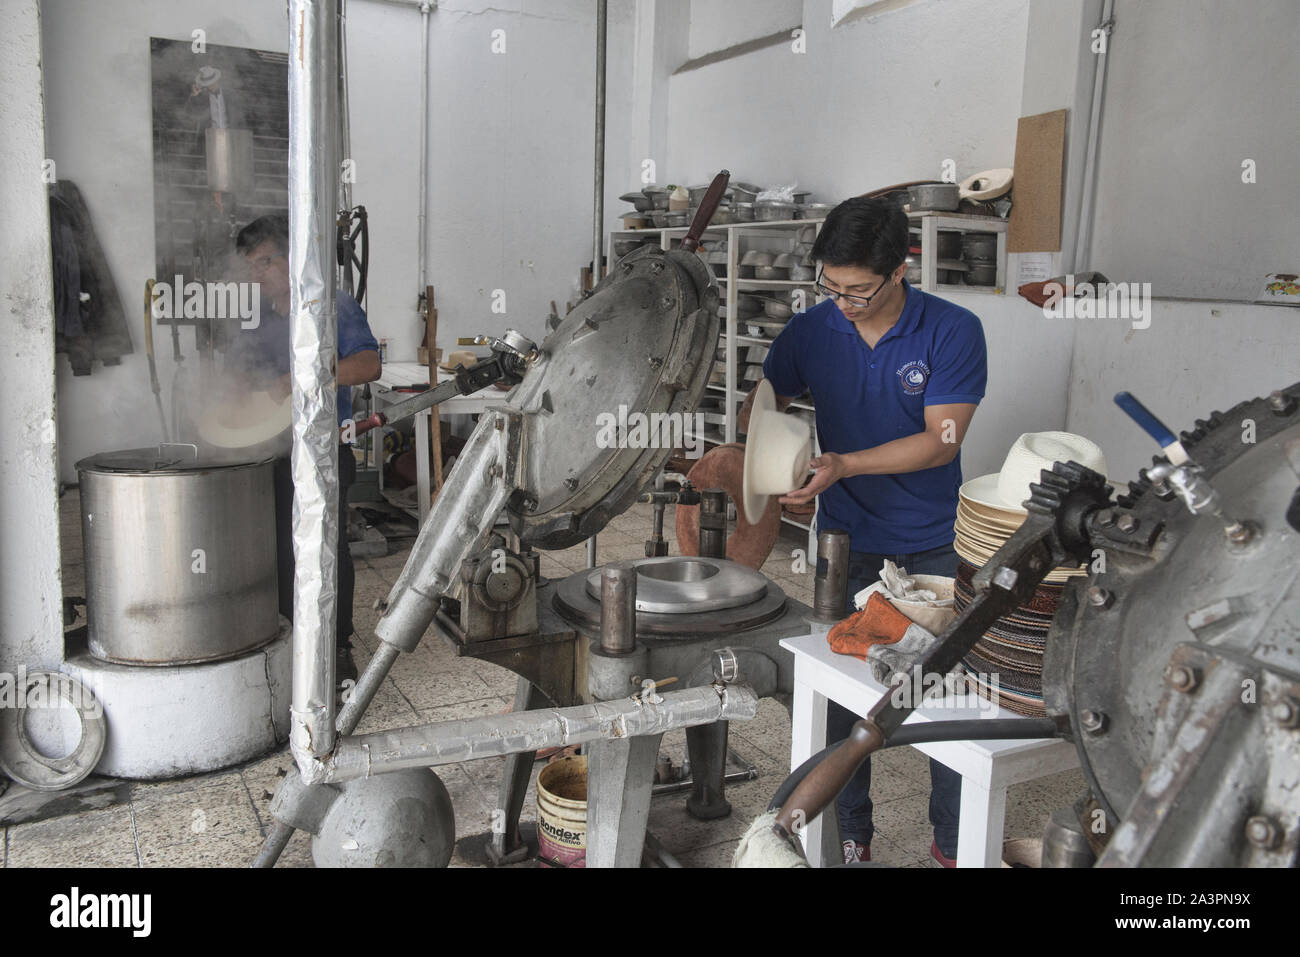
(31, 595)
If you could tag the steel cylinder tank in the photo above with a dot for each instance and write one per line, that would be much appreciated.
(180, 556)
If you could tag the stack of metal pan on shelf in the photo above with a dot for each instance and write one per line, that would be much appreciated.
(980, 253)
(623, 247)
(963, 257)
(740, 204)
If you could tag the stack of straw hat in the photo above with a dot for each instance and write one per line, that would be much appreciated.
(1006, 664)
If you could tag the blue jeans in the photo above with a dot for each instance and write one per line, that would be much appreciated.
(945, 784)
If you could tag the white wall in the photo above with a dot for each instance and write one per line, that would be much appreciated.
(31, 619)
(512, 156)
(874, 102)
(384, 100)
(719, 24)
(1194, 88)
(1196, 358)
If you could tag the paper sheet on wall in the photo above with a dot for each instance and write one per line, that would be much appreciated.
(1033, 267)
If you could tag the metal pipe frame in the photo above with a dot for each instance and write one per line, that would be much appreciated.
(313, 192)
(451, 742)
(598, 225)
(1082, 252)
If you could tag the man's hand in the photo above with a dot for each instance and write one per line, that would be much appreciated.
(830, 468)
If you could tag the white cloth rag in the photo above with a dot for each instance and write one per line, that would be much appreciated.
(902, 588)
(763, 847)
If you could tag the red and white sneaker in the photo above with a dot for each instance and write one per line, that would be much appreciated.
(938, 856)
(855, 853)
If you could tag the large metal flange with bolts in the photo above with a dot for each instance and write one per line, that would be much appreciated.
(1176, 656)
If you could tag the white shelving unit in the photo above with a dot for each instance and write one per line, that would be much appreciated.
(932, 223)
(731, 286)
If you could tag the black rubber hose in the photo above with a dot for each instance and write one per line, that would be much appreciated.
(974, 729)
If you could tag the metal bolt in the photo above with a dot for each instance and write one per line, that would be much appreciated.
(725, 665)
(1099, 597)
(1286, 712)
(1239, 533)
(1263, 833)
(267, 796)
(667, 302)
(1005, 578)
(530, 505)
(499, 424)
(656, 267)
(1106, 517)
(496, 471)
(571, 484)
(380, 605)
(1128, 524)
(281, 772)
(1281, 403)
(1094, 722)
(1183, 678)
(656, 362)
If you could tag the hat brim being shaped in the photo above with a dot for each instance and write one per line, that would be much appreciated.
(245, 422)
(777, 450)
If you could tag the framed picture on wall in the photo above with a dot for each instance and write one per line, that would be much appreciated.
(220, 149)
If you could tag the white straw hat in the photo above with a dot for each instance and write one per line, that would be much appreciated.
(777, 450)
(1029, 455)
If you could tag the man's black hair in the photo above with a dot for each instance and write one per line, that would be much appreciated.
(867, 233)
(274, 227)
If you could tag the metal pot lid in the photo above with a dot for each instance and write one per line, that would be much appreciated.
(641, 343)
(163, 458)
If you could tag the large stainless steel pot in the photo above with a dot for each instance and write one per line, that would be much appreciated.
(180, 556)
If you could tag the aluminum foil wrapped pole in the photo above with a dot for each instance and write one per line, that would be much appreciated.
(313, 188)
(471, 739)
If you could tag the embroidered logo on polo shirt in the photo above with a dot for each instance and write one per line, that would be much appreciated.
(914, 376)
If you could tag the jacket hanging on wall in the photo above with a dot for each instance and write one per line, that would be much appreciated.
(89, 323)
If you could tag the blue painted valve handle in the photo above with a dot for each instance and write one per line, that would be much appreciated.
(1147, 421)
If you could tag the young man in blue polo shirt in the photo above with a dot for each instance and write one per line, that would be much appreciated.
(895, 374)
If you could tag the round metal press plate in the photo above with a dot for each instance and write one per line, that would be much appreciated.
(579, 608)
(681, 585)
(611, 394)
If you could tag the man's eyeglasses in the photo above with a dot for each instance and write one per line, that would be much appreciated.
(859, 301)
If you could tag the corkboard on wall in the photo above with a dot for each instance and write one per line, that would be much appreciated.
(1040, 161)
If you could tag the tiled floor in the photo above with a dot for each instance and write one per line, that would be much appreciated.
(220, 819)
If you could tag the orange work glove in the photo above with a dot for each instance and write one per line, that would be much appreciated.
(879, 623)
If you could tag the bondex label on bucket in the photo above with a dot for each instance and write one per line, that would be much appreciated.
(561, 847)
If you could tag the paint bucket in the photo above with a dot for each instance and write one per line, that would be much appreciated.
(562, 812)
